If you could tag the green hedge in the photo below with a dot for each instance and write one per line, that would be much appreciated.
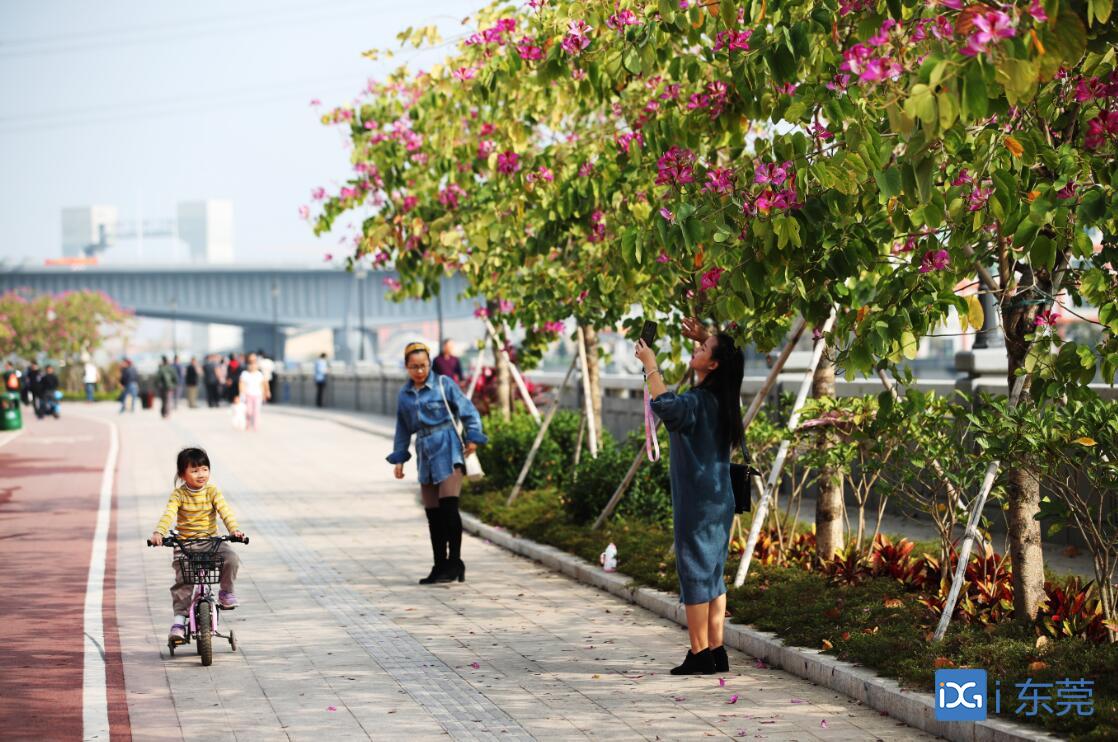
(585, 491)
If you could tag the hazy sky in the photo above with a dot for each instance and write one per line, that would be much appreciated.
(145, 104)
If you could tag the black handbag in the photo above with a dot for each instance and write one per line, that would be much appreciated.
(741, 478)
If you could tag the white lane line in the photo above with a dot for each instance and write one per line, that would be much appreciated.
(95, 702)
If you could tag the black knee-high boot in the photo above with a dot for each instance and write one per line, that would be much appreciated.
(438, 544)
(452, 527)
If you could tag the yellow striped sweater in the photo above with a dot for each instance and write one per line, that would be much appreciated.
(196, 512)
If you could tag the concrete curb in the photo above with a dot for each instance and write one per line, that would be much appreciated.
(859, 683)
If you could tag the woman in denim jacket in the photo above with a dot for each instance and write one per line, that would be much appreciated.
(421, 411)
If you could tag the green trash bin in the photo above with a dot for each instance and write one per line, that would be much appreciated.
(10, 416)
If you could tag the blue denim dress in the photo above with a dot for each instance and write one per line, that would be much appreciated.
(421, 412)
(702, 497)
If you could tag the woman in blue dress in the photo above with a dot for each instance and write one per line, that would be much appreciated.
(422, 411)
(704, 426)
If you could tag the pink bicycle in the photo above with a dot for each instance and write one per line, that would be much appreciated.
(201, 565)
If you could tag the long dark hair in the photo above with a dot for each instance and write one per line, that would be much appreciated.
(724, 383)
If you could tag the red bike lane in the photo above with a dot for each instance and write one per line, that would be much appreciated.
(50, 484)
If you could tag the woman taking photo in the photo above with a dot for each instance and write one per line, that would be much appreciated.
(424, 409)
(704, 426)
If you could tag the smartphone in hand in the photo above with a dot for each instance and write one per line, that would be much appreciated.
(648, 333)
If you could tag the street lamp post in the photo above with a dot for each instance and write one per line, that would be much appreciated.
(174, 326)
(275, 319)
(361, 274)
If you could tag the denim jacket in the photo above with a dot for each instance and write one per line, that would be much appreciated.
(422, 411)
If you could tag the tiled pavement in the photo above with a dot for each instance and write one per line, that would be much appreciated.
(337, 641)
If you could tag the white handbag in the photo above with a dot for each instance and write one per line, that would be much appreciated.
(474, 472)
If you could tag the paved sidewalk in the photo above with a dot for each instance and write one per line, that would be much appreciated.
(336, 639)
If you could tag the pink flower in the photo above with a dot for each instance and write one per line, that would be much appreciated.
(481, 312)
(671, 92)
(586, 168)
(462, 74)
(315, 102)
(1046, 318)
(882, 36)
(541, 173)
(662, 257)
(485, 148)
(934, 260)
(720, 181)
(508, 162)
(619, 20)
(1067, 191)
(392, 284)
(527, 49)
(304, 212)
(962, 178)
(582, 296)
(953, 4)
(629, 138)
(991, 26)
(667, 214)
(820, 132)
(328, 257)
(908, 246)
(786, 89)
(578, 74)
(555, 327)
(451, 195)
(504, 306)
(487, 129)
(772, 173)
(674, 167)
(475, 665)
(710, 279)
(733, 699)
(1036, 10)
(576, 39)
(409, 203)
(370, 125)
(732, 41)
(977, 199)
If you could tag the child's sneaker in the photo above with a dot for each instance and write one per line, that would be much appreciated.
(227, 600)
(178, 633)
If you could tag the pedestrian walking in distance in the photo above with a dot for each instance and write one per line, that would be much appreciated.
(165, 381)
(704, 426)
(253, 391)
(448, 364)
(193, 377)
(194, 506)
(90, 377)
(321, 370)
(424, 409)
(129, 385)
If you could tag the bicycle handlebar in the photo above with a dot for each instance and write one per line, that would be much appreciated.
(172, 540)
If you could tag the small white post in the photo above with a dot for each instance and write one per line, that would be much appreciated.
(516, 377)
(479, 365)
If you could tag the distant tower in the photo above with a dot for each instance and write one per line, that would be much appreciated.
(82, 227)
(207, 228)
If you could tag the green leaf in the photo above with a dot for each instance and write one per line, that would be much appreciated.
(921, 104)
(975, 100)
(948, 109)
(1026, 233)
(924, 170)
(1065, 43)
(632, 60)
(1019, 77)
(1098, 10)
(888, 182)
(1042, 254)
(900, 121)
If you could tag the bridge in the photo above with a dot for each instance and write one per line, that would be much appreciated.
(264, 300)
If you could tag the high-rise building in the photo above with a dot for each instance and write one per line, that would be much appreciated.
(207, 228)
(84, 226)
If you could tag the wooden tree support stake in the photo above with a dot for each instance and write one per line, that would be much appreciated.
(584, 368)
(782, 454)
(516, 377)
(541, 433)
(479, 365)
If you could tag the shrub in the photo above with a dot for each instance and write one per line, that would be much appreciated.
(649, 497)
(509, 443)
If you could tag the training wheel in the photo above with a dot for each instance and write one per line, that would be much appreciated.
(232, 640)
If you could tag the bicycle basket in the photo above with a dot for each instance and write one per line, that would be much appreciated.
(201, 567)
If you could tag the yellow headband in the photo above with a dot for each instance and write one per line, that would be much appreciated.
(413, 347)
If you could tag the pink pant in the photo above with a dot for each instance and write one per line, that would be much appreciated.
(252, 410)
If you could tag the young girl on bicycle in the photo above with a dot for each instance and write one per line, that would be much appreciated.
(194, 506)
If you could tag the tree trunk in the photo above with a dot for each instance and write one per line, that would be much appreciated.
(504, 379)
(828, 506)
(1023, 486)
(594, 372)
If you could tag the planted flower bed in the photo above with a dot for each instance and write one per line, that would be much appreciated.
(876, 607)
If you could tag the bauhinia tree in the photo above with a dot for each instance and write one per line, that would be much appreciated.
(58, 327)
(753, 162)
